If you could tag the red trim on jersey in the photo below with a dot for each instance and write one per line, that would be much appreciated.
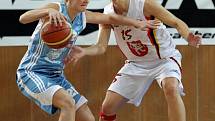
(176, 63)
(150, 35)
(153, 41)
(152, 38)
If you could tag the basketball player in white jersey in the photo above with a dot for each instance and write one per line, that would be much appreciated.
(40, 75)
(151, 55)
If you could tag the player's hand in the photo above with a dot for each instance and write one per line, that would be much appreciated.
(74, 55)
(148, 24)
(56, 17)
(194, 40)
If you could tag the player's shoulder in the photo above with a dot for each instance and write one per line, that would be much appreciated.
(54, 5)
(109, 8)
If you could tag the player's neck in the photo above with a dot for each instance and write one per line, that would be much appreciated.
(72, 13)
(121, 6)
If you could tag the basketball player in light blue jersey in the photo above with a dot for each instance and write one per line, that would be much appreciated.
(40, 75)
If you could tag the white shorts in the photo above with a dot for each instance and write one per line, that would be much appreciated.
(135, 78)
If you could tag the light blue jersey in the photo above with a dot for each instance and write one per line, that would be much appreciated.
(41, 58)
(40, 73)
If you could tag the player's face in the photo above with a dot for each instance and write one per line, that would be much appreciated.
(80, 5)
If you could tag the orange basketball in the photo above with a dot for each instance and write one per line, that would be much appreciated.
(56, 36)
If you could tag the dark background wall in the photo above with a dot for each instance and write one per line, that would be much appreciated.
(188, 12)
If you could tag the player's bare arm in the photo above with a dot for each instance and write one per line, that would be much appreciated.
(102, 40)
(50, 10)
(97, 49)
(152, 8)
(100, 18)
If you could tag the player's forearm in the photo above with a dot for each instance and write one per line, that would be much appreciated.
(94, 50)
(102, 41)
(122, 20)
(182, 28)
(99, 18)
(153, 8)
(33, 15)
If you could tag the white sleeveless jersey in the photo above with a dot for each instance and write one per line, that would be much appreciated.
(139, 45)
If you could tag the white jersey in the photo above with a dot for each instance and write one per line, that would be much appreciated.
(139, 45)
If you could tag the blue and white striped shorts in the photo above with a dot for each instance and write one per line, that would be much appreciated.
(40, 88)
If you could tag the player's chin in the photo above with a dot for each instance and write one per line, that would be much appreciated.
(82, 8)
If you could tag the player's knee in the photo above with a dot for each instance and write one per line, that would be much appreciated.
(63, 100)
(107, 108)
(171, 90)
(67, 103)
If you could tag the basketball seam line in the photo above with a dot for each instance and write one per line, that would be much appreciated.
(56, 31)
(60, 42)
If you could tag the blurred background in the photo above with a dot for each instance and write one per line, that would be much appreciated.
(92, 75)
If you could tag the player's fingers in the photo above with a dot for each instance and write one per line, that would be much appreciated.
(71, 60)
(147, 25)
(152, 26)
(59, 20)
(74, 47)
(69, 46)
(54, 20)
(197, 44)
(200, 42)
(74, 61)
(50, 19)
(63, 18)
(144, 29)
(158, 22)
(155, 24)
(66, 60)
(197, 40)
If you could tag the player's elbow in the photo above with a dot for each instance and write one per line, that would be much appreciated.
(101, 48)
(22, 20)
(25, 18)
(175, 24)
(114, 18)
